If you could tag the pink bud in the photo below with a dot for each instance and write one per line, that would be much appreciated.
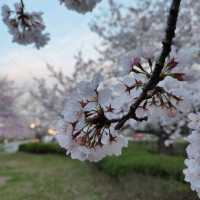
(179, 76)
(136, 61)
(172, 64)
(172, 112)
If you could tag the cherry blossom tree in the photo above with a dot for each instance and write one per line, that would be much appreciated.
(85, 118)
(140, 27)
(98, 108)
(12, 124)
(23, 23)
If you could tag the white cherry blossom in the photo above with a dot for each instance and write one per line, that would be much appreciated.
(25, 27)
(86, 131)
(192, 172)
(194, 121)
(81, 6)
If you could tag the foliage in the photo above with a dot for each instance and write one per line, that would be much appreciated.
(140, 159)
(41, 148)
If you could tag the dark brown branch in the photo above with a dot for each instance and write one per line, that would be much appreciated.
(155, 78)
(22, 3)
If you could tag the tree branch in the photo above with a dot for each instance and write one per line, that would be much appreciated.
(155, 78)
(22, 3)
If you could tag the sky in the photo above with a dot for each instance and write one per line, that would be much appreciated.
(69, 34)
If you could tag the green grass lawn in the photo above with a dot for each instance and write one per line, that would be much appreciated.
(140, 158)
(54, 177)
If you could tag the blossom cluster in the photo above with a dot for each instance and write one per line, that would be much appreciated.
(192, 172)
(81, 6)
(28, 27)
(140, 70)
(25, 27)
(86, 131)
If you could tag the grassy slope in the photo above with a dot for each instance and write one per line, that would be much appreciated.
(53, 177)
